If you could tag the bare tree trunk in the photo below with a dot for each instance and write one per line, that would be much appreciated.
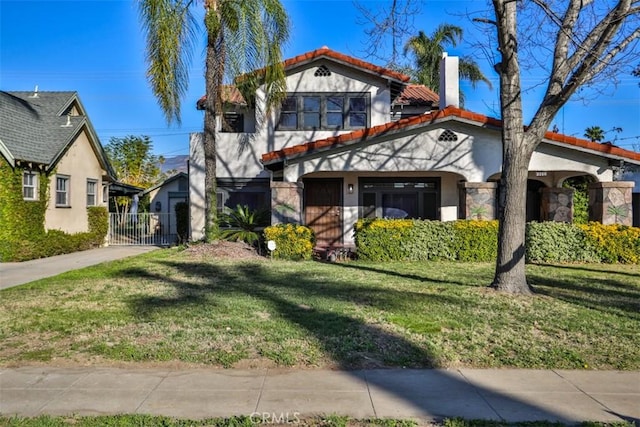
(516, 152)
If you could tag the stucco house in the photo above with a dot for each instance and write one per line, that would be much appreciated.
(163, 198)
(49, 139)
(354, 140)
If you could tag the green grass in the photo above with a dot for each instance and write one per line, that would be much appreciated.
(169, 306)
(326, 421)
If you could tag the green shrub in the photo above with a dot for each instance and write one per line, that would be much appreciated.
(382, 239)
(475, 240)
(293, 242)
(243, 223)
(557, 242)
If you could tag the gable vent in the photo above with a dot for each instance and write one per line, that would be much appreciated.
(448, 136)
(322, 71)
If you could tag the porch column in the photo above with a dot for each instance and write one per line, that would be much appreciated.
(557, 204)
(611, 202)
(477, 200)
(286, 202)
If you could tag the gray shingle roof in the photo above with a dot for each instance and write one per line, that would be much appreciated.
(37, 128)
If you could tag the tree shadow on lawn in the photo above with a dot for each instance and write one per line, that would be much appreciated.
(582, 267)
(348, 340)
(609, 296)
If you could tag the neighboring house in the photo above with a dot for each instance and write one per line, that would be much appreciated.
(48, 134)
(353, 140)
(163, 198)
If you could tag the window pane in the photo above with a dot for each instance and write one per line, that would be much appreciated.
(335, 103)
(311, 120)
(27, 192)
(357, 104)
(430, 206)
(289, 120)
(357, 120)
(334, 120)
(311, 103)
(289, 104)
(400, 205)
(369, 205)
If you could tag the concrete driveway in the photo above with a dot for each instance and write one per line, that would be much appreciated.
(18, 273)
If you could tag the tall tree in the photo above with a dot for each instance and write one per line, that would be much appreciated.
(241, 37)
(594, 133)
(133, 160)
(427, 52)
(389, 23)
(590, 40)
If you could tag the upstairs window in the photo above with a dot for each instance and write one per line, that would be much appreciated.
(62, 191)
(30, 185)
(233, 122)
(320, 111)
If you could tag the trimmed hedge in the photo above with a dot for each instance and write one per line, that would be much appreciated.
(56, 242)
(418, 240)
(293, 242)
(471, 240)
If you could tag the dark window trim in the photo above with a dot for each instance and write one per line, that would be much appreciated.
(299, 96)
(362, 181)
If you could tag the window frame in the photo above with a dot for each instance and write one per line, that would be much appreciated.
(95, 191)
(347, 111)
(33, 185)
(66, 191)
(397, 185)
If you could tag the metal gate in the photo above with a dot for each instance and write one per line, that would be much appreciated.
(141, 229)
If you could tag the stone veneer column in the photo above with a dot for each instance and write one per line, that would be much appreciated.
(610, 202)
(286, 202)
(477, 200)
(557, 204)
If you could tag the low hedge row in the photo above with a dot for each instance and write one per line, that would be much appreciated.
(56, 242)
(293, 242)
(471, 240)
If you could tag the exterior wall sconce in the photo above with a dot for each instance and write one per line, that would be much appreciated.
(350, 188)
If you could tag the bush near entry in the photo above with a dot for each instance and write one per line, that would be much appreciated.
(293, 242)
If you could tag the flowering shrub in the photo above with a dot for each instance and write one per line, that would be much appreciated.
(475, 240)
(293, 242)
(613, 243)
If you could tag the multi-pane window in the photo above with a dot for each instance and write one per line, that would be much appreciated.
(29, 185)
(399, 198)
(233, 122)
(92, 186)
(62, 190)
(325, 111)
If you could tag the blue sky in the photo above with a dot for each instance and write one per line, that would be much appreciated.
(96, 47)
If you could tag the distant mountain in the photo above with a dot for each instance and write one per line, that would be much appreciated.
(178, 163)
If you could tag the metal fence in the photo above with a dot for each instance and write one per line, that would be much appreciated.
(142, 229)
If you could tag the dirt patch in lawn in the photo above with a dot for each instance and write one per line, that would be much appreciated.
(224, 249)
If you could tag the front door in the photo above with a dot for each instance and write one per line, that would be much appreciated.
(323, 210)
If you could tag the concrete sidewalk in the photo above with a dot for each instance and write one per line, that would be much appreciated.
(288, 395)
(18, 273)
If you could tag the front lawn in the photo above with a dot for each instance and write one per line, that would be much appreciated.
(174, 307)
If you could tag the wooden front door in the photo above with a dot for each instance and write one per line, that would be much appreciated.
(323, 210)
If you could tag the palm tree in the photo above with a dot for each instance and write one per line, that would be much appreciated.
(427, 52)
(242, 36)
(594, 133)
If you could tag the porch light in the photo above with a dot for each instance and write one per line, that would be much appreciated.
(350, 188)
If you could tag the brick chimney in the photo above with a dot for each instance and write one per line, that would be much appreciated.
(449, 81)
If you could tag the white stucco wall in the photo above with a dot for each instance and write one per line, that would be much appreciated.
(239, 155)
(79, 163)
(196, 187)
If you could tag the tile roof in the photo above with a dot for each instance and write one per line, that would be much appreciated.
(340, 57)
(36, 128)
(434, 117)
(418, 95)
(305, 58)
